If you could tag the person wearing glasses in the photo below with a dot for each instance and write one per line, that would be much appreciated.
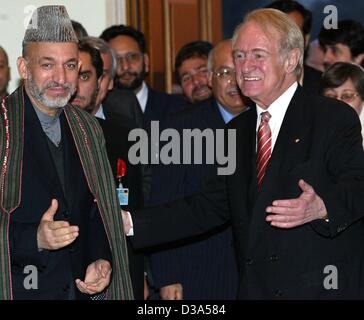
(345, 81)
(185, 271)
(133, 66)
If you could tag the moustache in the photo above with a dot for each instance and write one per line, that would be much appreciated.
(199, 88)
(58, 85)
(128, 73)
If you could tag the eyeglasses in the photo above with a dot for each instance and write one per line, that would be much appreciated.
(346, 96)
(225, 73)
(187, 77)
(130, 57)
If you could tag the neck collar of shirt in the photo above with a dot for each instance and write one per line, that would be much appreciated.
(100, 113)
(142, 96)
(277, 110)
(226, 115)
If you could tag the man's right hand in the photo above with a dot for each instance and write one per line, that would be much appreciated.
(171, 292)
(53, 235)
(127, 223)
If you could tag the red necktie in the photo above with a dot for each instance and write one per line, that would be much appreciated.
(264, 146)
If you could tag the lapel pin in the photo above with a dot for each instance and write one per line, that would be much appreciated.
(296, 140)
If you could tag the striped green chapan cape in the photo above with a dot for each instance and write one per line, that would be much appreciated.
(90, 144)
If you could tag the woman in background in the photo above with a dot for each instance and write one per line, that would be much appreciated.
(345, 81)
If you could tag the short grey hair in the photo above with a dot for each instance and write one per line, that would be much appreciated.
(273, 20)
(102, 46)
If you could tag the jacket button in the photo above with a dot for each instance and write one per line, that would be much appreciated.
(273, 258)
(278, 293)
(66, 288)
(249, 262)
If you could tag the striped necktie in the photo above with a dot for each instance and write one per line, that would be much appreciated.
(264, 146)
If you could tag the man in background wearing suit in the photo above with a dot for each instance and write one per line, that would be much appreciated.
(89, 95)
(130, 47)
(296, 199)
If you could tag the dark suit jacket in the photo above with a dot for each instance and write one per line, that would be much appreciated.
(191, 262)
(160, 105)
(57, 270)
(319, 141)
(311, 80)
(117, 147)
(121, 106)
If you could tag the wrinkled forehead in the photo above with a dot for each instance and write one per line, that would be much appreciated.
(53, 50)
(253, 35)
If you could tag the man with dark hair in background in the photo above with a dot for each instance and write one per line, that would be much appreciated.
(344, 44)
(191, 70)
(89, 96)
(130, 48)
(310, 78)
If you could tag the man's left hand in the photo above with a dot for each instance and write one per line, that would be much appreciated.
(291, 213)
(97, 277)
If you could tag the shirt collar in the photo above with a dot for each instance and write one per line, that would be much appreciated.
(100, 113)
(226, 115)
(142, 96)
(280, 105)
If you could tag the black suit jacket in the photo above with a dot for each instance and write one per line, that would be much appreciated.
(117, 147)
(122, 107)
(190, 262)
(311, 80)
(320, 142)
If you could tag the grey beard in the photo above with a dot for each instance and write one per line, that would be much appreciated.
(39, 95)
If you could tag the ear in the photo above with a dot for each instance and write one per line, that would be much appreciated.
(146, 62)
(210, 78)
(99, 81)
(359, 58)
(22, 67)
(111, 85)
(292, 60)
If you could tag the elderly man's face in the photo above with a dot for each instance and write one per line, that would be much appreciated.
(132, 63)
(87, 87)
(223, 80)
(194, 79)
(50, 72)
(261, 69)
(4, 73)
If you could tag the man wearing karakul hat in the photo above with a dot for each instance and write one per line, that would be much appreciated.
(60, 225)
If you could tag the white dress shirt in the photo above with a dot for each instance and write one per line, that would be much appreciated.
(142, 96)
(277, 110)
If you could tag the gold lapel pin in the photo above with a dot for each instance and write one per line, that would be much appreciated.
(296, 140)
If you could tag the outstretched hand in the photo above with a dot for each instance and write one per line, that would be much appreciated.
(291, 213)
(97, 277)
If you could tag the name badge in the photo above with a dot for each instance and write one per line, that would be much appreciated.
(123, 195)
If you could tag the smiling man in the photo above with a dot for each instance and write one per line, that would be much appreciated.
(58, 203)
(296, 198)
(191, 70)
